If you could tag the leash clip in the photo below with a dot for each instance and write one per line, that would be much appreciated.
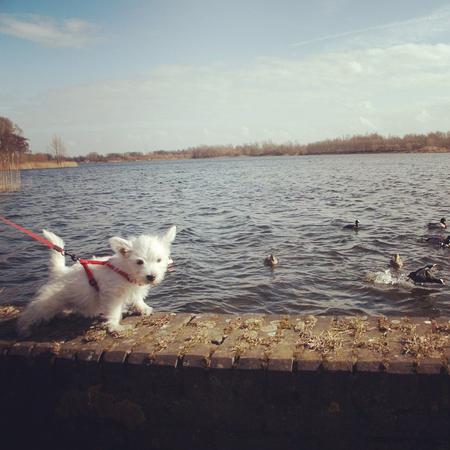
(74, 258)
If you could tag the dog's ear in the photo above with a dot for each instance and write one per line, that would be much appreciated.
(170, 235)
(120, 245)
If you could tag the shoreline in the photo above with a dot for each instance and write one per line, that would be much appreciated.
(33, 165)
(46, 165)
(171, 157)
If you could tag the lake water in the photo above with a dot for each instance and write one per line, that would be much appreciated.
(231, 213)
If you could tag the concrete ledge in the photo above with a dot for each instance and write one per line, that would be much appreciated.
(228, 381)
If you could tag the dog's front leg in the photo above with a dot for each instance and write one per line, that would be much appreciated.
(142, 307)
(113, 318)
(137, 301)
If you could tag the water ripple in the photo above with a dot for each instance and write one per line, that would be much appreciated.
(231, 213)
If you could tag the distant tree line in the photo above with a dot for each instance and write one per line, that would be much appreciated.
(14, 148)
(369, 143)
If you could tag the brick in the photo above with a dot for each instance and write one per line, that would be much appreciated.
(369, 356)
(120, 349)
(6, 345)
(434, 362)
(212, 330)
(280, 357)
(253, 356)
(343, 359)
(309, 359)
(225, 354)
(22, 349)
(184, 339)
(45, 350)
(144, 351)
(397, 362)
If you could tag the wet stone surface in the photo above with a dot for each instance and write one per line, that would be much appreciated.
(286, 343)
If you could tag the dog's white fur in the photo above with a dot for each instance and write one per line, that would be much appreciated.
(144, 259)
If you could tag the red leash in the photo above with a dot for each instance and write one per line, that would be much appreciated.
(35, 236)
(84, 262)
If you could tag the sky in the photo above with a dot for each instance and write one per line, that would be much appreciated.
(144, 75)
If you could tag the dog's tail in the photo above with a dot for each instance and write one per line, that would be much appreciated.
(57, 260)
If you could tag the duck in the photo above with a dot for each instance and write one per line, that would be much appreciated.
(439, 240)
(352, 226)
(396, 262)
(441, 225)
(271, 260)
(425, 275)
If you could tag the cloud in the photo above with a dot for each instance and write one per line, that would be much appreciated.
(47, 31)
(367, 124)
(304, 100)
(355, 66)
(423, 116)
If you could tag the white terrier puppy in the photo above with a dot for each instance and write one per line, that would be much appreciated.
(137, 264)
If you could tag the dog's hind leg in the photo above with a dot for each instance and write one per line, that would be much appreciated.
(42, 309)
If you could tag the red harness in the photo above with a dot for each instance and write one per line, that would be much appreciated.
(92, 281)
(84, 262)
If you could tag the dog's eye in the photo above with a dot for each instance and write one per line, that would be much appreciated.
(158, 260)
(140, 262)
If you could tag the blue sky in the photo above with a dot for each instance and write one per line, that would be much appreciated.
(138, 75)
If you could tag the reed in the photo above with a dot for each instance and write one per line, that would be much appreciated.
(10, 179)
(12, 146)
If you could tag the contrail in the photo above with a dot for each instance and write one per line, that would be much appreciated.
(440, 14)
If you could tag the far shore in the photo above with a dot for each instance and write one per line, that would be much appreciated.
(179, 156)
(433, 142)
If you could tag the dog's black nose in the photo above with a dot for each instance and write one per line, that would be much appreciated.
(151, 278)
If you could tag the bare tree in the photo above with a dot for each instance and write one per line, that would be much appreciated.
(58, 149)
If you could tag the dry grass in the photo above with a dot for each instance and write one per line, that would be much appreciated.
(353, 326)
(428, 345)
(440, 327)
(325, 343)
(415, 344)
(8, 312)
(253, 323)
(96, 332)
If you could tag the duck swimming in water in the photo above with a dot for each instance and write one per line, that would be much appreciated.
(271, 260)
(439, 240)
(425, 275)
(442, 225)
(352, 226)
(396, 262)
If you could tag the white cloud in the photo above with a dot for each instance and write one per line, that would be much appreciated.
(302, 100)
(48, 31)
(367, 105)
(424, 116)
(355, 66)
(367, 124)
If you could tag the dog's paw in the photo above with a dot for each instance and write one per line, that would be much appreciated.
(146, 310)
(118, 329)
